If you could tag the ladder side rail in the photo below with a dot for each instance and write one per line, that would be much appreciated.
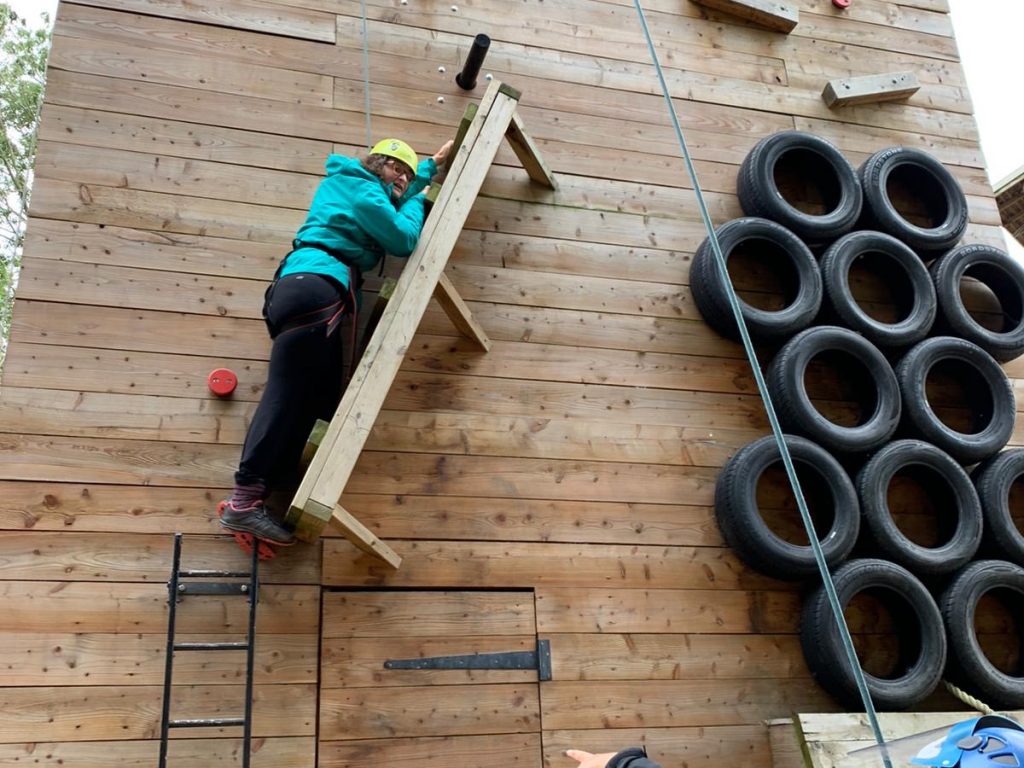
(172, 605)
(250, 656)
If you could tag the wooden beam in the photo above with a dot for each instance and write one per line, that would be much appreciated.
(363, 537)
(330, 469)
(870, 89)
(527, 153)
(365, 395)
(781, 17)
(454, 306)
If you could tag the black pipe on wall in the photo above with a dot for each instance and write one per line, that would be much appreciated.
(466, 79)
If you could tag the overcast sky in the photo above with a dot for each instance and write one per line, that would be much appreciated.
(988, 34)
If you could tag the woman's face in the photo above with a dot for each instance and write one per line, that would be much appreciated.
(398, 175)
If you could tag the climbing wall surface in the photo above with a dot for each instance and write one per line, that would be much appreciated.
(572, 466)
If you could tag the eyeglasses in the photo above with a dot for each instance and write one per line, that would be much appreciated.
(400, 169)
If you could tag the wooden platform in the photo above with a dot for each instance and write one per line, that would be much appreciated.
(557, 487)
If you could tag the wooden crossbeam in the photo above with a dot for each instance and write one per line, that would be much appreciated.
(316, 499)
(870, 88)
(773, 14)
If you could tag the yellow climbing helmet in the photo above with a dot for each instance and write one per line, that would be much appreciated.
(397, 149)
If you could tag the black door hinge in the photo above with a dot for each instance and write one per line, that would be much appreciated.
(539, 660)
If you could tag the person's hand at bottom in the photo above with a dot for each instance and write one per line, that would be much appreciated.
(589, 760)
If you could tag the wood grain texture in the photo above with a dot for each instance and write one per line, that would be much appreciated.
(513, 564)
(88, 658)
(373, 713)
(519, 750)
(71, 713)
(574, 463)
(282, 752)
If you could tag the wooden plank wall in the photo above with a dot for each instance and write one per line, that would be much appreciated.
(179, 147)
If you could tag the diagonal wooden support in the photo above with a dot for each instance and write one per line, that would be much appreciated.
(316, 500)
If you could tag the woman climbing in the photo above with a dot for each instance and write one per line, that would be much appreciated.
(361, 210)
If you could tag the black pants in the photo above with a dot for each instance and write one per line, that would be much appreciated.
(304, 380)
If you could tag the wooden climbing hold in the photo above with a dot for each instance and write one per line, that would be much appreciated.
(870, 89)
(779, 16)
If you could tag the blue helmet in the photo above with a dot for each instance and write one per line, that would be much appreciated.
(991, 741)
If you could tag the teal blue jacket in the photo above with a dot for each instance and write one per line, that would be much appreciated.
(352, 213)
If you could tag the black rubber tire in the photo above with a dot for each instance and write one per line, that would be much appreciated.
(873, 482)
(920, 301)
(796, 411)
(745, 530)
(914, 613)
(1003, 276)
(712, 298)
(919, 420)
(993, 481)
(881, 214)
(760, 196)
(968, 665)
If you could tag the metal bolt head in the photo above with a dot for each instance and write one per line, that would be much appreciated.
(181, 587)
(245, 588)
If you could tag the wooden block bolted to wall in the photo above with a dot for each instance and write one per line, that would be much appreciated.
(869, 89)
(781, 17)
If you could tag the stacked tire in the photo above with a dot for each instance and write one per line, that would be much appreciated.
(905, 424)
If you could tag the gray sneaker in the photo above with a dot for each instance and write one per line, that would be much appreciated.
(255, 519)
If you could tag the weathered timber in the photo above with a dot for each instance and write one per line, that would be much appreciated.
(870, 89)
(781, 17)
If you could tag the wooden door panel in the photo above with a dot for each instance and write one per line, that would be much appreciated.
(433, 717)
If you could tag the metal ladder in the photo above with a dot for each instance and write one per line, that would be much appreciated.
(179, 588)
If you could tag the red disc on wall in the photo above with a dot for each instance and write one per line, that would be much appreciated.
(222, 381)
(841, 3)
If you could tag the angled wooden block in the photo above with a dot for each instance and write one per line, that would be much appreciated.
(453, 305)
(781, 17)
(870, 88)
(528, 155)
(363, 537)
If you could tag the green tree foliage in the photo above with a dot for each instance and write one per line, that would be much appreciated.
(23, 52)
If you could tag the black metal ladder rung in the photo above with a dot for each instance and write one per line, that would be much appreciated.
(214, 574)
(241, 645)
(210, 722)
(176, 590)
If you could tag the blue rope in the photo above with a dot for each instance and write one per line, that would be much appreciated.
(787, 459)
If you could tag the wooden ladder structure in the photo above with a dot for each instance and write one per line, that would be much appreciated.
(316, 501)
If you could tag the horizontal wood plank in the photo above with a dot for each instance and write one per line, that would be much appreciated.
(513, 564)
(368, 713)
(281, 752)
(80, 659)
(522, 750)
(67, 606)
(275, 18)
(657, 611)
(673, 657)
(673, 703)
(426, 614)
(95, 713)
(698, 747)
(66, 556)
(420, 517)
